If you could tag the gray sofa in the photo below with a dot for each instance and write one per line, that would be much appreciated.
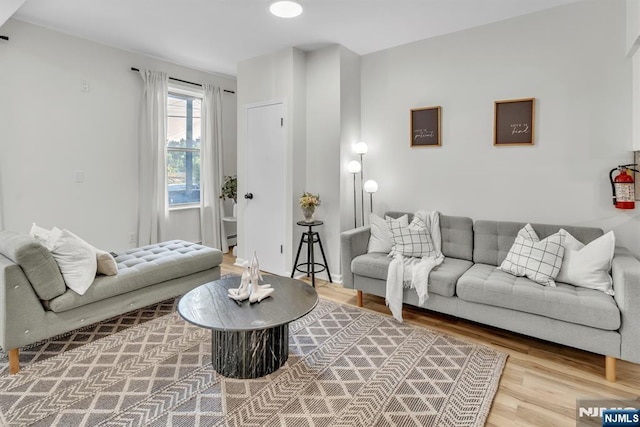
(35, 303)
(468, 285)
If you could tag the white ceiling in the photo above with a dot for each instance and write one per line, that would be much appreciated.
(214, 35)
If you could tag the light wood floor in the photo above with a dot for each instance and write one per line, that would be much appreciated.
(541, 380)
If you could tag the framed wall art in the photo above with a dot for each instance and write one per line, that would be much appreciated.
(514, 122)
(425, 127)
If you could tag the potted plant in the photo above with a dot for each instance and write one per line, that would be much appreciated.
(230, 190)
(308, 203)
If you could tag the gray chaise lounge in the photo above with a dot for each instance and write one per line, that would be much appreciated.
(35, 303)
(468, 285)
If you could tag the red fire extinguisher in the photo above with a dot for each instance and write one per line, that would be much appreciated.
(623, 187)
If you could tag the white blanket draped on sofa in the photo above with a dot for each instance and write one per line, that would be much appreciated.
(411, 272)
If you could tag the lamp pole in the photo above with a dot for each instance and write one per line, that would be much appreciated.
(355, 209)
(361, 148)
(362, 188)
(354, 167)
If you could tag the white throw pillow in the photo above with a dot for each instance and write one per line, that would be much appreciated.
(106, 263)
(40, 234)
(588, 266)
(380, 239)
(413, 240)
(76, 259)
(539, 260)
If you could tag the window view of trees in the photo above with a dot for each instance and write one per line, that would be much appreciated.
(183, 149)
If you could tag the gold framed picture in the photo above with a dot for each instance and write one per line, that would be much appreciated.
(514, 122)
(425, 127)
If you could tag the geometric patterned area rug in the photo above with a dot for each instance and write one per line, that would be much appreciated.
(346, 367)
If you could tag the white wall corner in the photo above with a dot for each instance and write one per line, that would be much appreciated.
(633, 27)
(635, 101)
(8, 8)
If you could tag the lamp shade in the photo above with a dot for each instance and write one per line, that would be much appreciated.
(286, 9)
(354, 166)
(370, 186)
(361, 148)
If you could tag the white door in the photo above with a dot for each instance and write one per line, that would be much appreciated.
(264, 212)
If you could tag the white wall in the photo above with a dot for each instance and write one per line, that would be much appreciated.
(49, 129)
(633, 41)
(333, 126)
(572, 59)
(280, 76)
(349, 136)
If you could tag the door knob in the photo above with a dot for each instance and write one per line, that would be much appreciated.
(248, 196)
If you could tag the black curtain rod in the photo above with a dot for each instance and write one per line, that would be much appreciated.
(180, 80)
(4, 38)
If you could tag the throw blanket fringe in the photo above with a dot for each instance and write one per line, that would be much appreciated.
(413, 273)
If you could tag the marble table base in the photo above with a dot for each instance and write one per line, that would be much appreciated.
(249, 354)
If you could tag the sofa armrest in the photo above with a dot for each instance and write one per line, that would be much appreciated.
(626, 284)
(353, 243)
(22, 316)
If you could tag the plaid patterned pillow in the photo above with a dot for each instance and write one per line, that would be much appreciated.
(539, 260)
(413, 241)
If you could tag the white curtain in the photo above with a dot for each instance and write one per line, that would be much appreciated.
(153, 207)
(211, 171)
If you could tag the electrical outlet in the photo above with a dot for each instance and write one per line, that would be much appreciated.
(78, 177)
(84, 86)
(132, 237)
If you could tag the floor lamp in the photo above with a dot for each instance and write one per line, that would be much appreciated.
(361, 148)
(354, 167)
(370, 187)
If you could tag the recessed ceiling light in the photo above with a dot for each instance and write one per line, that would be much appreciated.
(286, 9)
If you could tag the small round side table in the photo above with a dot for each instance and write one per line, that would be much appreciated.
(311, 267)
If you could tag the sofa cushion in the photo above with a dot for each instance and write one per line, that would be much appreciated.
(142, 267)
(493, 239)
(36, 261)
(485, 284)
(442, 280)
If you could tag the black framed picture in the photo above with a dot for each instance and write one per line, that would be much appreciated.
(514, 122)
(425, 127)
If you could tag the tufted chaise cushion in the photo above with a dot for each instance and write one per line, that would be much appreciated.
(144, 266)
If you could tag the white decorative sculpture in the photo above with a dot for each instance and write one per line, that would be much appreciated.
(262, 292)
(250, 286)
(243, 292)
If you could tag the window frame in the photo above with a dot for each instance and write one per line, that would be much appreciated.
(178, 91)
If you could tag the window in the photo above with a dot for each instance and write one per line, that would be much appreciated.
(183, 149)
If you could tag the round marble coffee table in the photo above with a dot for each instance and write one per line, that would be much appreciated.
(248, 340)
